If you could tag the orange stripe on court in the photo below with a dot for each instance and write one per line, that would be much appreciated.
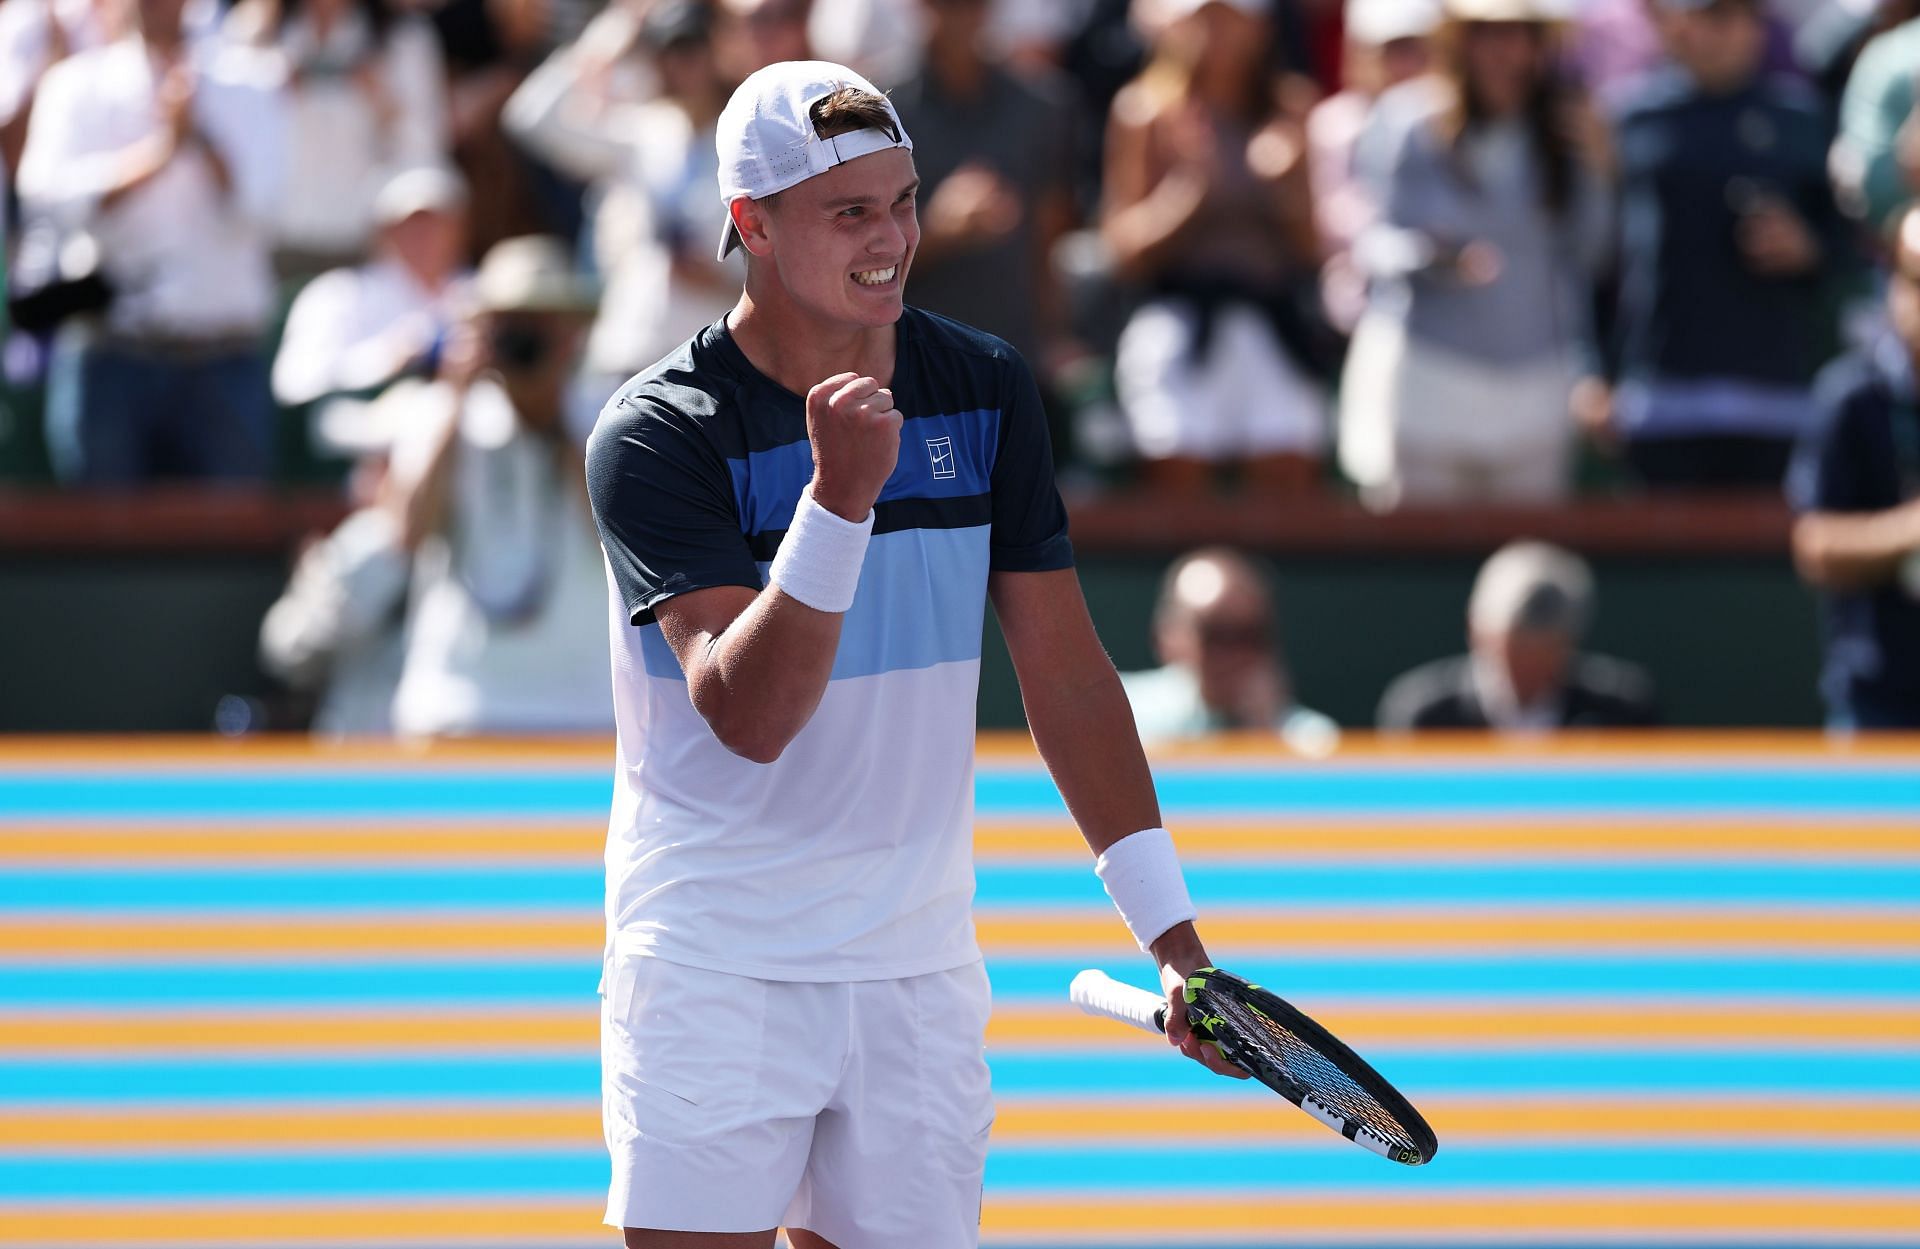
(1500, 1024)
(1630, 1216)
(1404, 931)
(1574, 839)
(1442, 841)
(135, 1129)
(207, 752)
(1417, 1218)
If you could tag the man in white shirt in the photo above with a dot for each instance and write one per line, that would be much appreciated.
(353, 331)
(795, 1006)
(167, 149)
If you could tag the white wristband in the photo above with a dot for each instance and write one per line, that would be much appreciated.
(1142, 874)
(819, 560)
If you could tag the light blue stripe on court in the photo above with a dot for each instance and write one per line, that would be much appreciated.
(586, 792)
(1306, 979)
(929, 612)
(946, 456)
(1125, 1166)
(1153, 1065)
(538, 888)
(1310, 976)
(1299, 791)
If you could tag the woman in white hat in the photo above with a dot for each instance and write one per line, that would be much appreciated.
(1495, 215)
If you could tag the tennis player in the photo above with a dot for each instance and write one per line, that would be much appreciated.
(805, 509)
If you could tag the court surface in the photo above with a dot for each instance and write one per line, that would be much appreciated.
(1659, 991)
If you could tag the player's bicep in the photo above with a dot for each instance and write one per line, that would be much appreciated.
(692, 622)
(1043, 616)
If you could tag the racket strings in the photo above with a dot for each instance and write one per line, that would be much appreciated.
(1303, 1063)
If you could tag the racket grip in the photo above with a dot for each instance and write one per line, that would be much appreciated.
(1097, 993)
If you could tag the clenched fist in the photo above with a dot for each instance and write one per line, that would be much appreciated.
(855, 432)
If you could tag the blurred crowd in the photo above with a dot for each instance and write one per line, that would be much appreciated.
(1434, 252)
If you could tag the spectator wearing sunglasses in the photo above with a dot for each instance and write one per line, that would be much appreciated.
(1215, 631)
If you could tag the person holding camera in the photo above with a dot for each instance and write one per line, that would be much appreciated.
(506, 632)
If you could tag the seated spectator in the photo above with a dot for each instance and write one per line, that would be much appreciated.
(1207, 206)
(994, 150)
(1728, 230)
(1388, 42)
(507, 631)
(1523, 672)
(1856, 484)
(352, 332)
(653, 167)
(169, 151)
(1495, 215)
(367, 95)
(1215, 632)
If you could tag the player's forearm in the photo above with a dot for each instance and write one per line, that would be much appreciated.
(1843, 552)
(1084, 730)
(758, 682)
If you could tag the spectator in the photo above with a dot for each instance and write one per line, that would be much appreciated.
(1215, 632)
(169, 152)
(367, 95)
(1728, 228)
(1856, 484)
(1207, 205)
(353, 332)
(336, 629)
(1524, 672)
(35, 35)
(1494, 218)
(757, 33)
(653, 167)
(994, 150)
(507, 632)
(1389, 42)
(1829, 42)
(1876, 157)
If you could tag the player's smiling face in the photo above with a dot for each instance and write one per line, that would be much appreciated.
(842, 241)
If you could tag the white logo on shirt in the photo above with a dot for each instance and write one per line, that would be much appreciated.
(941, 450)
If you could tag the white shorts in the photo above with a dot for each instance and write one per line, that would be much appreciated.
(1245, 397)
(856, 1110)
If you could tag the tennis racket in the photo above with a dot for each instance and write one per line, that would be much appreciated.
(1281, 1048)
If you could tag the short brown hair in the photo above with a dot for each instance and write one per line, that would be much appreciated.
(847, 109)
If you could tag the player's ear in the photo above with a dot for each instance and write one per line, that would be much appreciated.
(752, 219)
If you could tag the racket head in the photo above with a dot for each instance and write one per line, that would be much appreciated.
(1288, 1052)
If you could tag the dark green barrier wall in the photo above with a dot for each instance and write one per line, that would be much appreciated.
(1729, 641)
(131, 643)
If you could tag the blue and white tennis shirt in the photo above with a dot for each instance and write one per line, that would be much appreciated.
(850, 857)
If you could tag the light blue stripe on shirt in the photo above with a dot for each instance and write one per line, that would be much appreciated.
(921, 602)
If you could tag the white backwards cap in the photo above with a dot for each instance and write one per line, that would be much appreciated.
(767, 140)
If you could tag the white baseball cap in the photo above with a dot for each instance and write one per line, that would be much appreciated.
(767, 140)
(1374, 23)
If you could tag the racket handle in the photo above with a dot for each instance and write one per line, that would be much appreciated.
(1097, 993)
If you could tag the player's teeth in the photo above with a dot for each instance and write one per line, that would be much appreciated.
(875, 277)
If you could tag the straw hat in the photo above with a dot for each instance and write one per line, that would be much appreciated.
(533, 273)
